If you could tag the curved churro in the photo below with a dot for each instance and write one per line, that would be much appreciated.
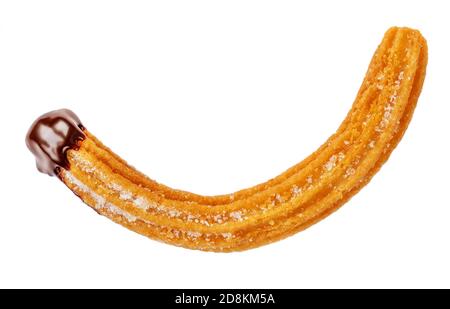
(291, 202)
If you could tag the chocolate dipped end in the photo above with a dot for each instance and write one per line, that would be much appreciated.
(51, 136)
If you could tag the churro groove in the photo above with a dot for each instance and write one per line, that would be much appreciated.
(288, 203)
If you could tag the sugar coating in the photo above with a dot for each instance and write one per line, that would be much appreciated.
(218, 219)
(174, 213)
(389, 107)
(349, 172)
(102, 204)
(125, 195)
(331, 163)
(296, 190)
(237, 215)
(193, 234)
(227, 235)
(146, 205)
(142, 203)
(278, 198)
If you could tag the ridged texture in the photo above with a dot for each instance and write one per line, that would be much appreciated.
(291, 202)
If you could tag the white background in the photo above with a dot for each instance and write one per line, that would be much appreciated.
(212, 97)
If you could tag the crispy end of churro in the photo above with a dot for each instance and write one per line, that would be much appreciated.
(288, 203)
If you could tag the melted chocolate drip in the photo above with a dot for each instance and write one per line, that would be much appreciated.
(50, 136)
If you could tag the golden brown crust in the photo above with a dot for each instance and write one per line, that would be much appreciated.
(299, 197)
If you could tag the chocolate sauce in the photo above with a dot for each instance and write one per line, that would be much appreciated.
(50, 136)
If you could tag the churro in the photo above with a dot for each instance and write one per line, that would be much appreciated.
(287, 204)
